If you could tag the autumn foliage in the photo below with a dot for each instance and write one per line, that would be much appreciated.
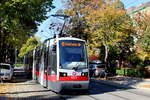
(106, 23)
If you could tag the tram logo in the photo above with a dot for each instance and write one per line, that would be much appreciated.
(74, 73)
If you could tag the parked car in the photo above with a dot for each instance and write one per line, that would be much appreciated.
(6, 71)
(19, 71)
(97, 68)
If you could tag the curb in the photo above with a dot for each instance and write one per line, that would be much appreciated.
(111, 83)
(121, 85)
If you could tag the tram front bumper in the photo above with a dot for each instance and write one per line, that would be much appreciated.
(75, 85)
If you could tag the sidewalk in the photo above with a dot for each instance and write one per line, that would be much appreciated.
(125, 82)
(27, 90)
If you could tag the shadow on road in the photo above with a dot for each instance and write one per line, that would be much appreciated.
(96, 88)
(20, 79)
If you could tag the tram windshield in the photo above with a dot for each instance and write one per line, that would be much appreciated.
(72, 54)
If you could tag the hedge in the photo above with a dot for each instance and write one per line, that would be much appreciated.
(132, 72)
(19, 65)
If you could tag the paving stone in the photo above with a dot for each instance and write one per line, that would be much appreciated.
(28, 90)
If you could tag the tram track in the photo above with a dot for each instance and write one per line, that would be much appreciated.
(95, 88)
(121, 88)
(112, 94)
(137, 94)
(65, 97)
(93, 97)
(75, 94)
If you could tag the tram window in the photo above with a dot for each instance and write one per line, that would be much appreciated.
(45, 56)
(73, 57)
(54, 48)
(50, 56)
(72, 53)
(52, 60)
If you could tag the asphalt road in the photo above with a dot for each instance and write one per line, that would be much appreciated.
(24, 89)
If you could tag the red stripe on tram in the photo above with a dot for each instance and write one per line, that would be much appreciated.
(36, 73)
(73, 78)
(50, 77)
(67, 78)
(45, 76)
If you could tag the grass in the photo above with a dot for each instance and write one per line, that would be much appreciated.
(19, 65)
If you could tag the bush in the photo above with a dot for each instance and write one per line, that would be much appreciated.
(120, 71)
(19, 65)
(132, 72)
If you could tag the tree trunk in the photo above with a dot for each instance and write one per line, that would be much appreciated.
(106, 51)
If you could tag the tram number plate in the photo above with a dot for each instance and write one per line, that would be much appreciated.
(73, 77)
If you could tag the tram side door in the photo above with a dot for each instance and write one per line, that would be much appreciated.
(34, 66)
(51, 70)
(46, 53)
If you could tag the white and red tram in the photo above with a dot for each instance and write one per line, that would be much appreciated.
(61, 64)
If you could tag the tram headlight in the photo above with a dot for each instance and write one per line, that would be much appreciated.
(84, 74)
(63, 74)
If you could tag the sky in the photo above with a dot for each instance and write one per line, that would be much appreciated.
(130, 3)
(44, 27)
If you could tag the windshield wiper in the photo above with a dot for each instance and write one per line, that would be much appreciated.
(75, 68)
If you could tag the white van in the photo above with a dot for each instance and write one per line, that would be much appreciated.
(6, 71)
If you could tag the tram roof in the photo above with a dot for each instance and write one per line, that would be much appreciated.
(70, 38)
(65, 38)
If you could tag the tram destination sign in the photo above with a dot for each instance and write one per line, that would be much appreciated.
(70, 44)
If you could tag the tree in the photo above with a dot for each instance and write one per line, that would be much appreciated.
(18, 21)
(101, 23)
(110, 26)
(30, 44)
(77, 26)
(143, 31)
(118, 5)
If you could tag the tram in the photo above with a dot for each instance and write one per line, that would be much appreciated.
(61, 63)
